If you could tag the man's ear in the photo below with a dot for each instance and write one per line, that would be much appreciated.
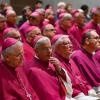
(87, 41)
(7, 58)
(35, 50)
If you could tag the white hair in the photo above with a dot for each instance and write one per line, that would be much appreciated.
(41, 41)
(40, 10)
(11, 33)
(80, 10)
(10, 50)
(33, 31)
(60, 4)
(48, 26)
(59, 41)
(10, 12)
(67, 16)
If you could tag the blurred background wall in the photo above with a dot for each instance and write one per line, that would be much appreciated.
(19, 4)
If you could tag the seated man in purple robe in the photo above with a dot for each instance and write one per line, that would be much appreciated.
(14, 33)
(2, 27)
(63, 27)
(45, 74)
(78, 27)
(95, 21)
(96, 56)
(64, 24)
(49, 17)
(49, 31)
(33, 20)
(31, 33)
(11, 18)
(41, 12)
(84, 58)
(63, 49)
(13, 82)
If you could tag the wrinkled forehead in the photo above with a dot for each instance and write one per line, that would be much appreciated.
(79, 15)
(18, 48)
(94, 33)
(44, 45)
(49, 27)
(65, 39)
(35, 31)
(11, 14)
(15, 32)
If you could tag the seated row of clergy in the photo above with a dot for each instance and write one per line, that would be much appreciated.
(52, 72)
(67, 24)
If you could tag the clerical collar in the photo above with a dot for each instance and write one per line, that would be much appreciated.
(88, 54)
(11, 25)
(41, 62)
(64, 30)
(62, 58)
(10, 69)
(80, 27)
(94, 24)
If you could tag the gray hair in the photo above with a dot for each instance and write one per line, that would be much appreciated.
(34, 31)
(60, 4)
(80, 10)
(10, 50)
(66, 16)
(59, 41)
(41, 41)
(11, 33)
(47, 27)
(86, 34)
(2, 18)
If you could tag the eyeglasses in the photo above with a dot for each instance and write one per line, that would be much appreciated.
(45, 49)
(50, 30)
(2, 21)
(18, 37)
(66, 44)
(97, 38)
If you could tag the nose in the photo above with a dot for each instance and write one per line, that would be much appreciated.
(54, 31)
(50, 50)
(99, 40)
(70, 45)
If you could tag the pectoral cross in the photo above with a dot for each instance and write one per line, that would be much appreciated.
(29, 96)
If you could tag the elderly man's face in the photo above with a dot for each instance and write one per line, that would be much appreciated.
(65, 47)
(44, 52)
(15, 60)
(94, 40)
(98, 45)
(33, 34)
(96, 18)
(16, 35)
(49, 32)
(38, 5)
(50, 16)
(80, 19)
(2, 25)
(67, 23)
(12, 18)
(34, 21)
(28, 12)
